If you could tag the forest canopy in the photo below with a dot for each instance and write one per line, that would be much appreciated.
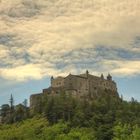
(64, 117)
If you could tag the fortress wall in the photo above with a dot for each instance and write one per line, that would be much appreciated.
(76, 83)
(109, 85)
(72, 93)
(96, 84)
(79, 86)
(35, 101)
(82, 86)
(57, 82)
(70, 82)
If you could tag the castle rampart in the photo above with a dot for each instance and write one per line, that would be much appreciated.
(84, 82)
(81, 86)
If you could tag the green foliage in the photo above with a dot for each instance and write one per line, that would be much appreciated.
(38, 128)
(104, 115)
(69, 118)
(26, 130)
(59, 107)
(126, 132)
(122, 132)
(136, 133)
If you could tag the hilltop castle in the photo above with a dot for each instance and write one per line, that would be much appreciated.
(81, 86)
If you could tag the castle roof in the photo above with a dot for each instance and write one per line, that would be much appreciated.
(85, 76)
(71, 75)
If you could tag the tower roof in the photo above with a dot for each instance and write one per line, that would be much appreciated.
(109, 77)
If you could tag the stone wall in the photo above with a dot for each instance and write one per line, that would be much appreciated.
(35, 102)
(57, 82)
(83, 85)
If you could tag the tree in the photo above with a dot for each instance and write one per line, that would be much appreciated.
(25, 103)
(11, 101)
(122, 131)
(4, 110)
(136, 133)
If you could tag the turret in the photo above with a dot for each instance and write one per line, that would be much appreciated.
(87, 73)
(109, 77)
(102, 76)
(52, 79)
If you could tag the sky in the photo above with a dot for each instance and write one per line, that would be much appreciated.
(41, 38)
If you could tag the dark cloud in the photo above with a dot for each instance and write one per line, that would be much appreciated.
(13, 41)
(13, 50)
(136, 43)
(6, 39)
(27, 9)
(95, 58)
(117, 53)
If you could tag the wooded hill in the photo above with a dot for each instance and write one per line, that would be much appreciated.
(66, 118)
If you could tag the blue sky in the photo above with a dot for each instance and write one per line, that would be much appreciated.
(42, 38)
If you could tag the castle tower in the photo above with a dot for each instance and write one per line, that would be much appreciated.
(52, 78)
(102, 76)
(109, 77)
(87, 73)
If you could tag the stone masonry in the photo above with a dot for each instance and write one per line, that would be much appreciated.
(80, 86)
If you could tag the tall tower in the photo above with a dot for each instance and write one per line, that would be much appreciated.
(87, 73)
(52, 80)
(102, 76)
(109, 77)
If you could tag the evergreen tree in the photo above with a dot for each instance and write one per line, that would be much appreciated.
(25, 103)
(11, 102)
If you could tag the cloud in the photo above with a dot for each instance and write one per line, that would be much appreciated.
(22, 72)
(19, 8)
(126, 68)
(56, 37)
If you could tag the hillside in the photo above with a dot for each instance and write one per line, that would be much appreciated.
(38, 128)
(67, 118)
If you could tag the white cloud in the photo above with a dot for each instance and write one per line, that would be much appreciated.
(126, 68)
(48, 30)
(22, 73)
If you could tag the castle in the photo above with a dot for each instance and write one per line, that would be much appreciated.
(80, 86)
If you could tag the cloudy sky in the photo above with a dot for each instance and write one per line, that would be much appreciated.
(40, 38)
